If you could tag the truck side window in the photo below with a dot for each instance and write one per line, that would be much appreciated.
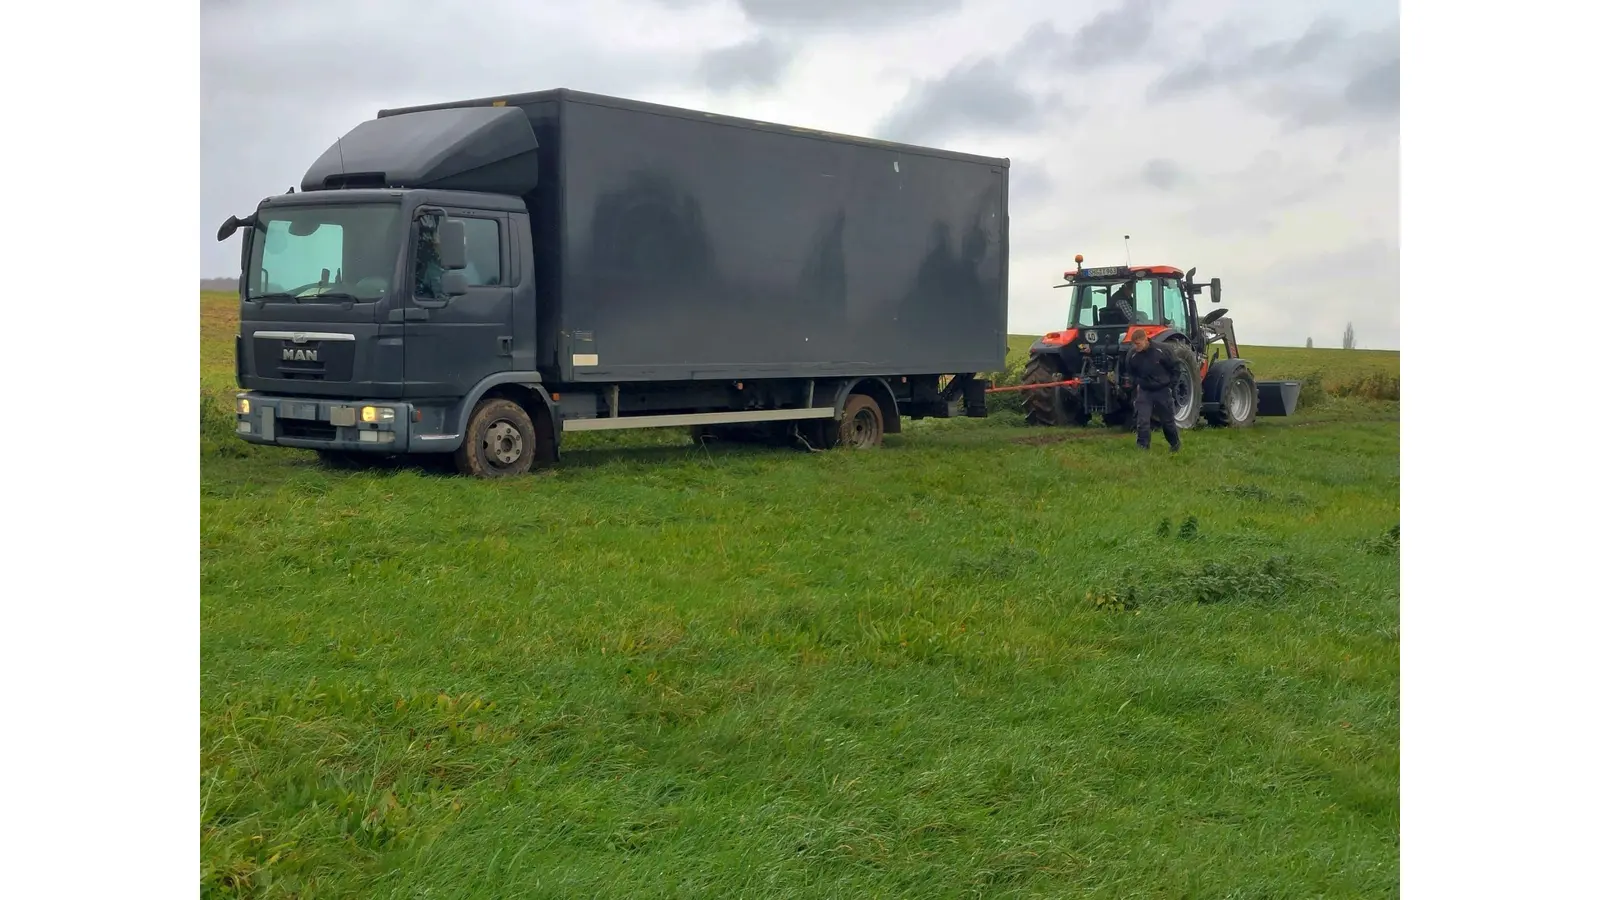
(1174, 309)
(425, 257)
(483, 252)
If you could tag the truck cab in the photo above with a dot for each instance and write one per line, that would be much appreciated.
(366, 315)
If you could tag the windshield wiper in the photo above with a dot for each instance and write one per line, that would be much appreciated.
(303, 298)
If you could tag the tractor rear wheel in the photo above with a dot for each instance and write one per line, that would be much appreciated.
(1186, 390)
(1236, 401)
(1048, 406)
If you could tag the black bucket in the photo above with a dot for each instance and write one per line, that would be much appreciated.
(1277, 398)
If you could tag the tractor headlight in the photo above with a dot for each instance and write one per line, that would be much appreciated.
(377, 414)
(241, 405)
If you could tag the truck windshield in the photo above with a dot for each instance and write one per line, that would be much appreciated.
(1114, 303)
(334, 252)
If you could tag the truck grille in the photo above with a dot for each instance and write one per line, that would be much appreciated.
(309, 361)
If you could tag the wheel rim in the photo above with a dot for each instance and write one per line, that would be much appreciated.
(502, 443)
(863, 431)
(1183, 398)
(1238, 400)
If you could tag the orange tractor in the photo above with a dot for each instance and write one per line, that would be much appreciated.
(1076, 373)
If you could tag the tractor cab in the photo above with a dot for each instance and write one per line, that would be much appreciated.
(1109, 303)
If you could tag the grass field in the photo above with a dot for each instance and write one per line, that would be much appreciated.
(983, 661)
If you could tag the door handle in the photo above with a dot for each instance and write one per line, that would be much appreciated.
(505, 345)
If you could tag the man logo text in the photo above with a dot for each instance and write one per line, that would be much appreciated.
(297, 355)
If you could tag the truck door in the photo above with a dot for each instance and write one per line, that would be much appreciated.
(453, 343)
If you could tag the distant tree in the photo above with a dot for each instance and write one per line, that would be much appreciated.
(1349, 336)
(1308, 343)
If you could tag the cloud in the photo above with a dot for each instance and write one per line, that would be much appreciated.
(1230, 66)
(1377, 90)
(992, 91)
(1116, 35)
(1163, 175)
(831, 14)
(1328, 75)
(1120, 35)
(1248, 199)
(981, 94)
(1032, 185)
(759, 62)
(857, 13)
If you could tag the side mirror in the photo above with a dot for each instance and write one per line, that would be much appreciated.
(454, 283)
(1216, 290)
(453, 245)
(233, 224)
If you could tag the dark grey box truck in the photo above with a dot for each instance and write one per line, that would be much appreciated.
(478, 278)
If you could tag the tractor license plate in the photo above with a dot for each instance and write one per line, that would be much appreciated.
(298, 411)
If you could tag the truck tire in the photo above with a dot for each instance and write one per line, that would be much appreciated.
(500, 441)
(1046, 406)
(1185, 391)
(861, 425)
(1236, 401)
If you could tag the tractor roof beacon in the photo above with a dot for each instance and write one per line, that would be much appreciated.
(1078, 372)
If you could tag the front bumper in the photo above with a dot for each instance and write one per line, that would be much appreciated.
(315, 423)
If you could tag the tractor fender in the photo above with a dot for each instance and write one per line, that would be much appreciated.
(1042, 347)
(1211, 387)
(879, 391)
(1058, 353)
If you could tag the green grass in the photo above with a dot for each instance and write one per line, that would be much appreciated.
(983, 661)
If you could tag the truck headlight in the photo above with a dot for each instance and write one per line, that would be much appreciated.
(377, 414)
(241, 405)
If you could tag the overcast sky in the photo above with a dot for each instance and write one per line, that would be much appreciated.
(1257, 141)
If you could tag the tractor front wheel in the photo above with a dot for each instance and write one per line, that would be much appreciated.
(1236, 406)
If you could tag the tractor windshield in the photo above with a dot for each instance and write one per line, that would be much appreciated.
(1128, 302)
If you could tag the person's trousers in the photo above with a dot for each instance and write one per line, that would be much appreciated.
(1154, 403)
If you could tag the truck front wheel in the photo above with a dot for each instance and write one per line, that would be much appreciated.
(500, 441)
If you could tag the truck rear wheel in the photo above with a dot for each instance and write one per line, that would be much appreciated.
(500, 441)
(1236, 402)
(861, 425)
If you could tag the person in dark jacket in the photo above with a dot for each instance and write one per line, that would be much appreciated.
(1153, 372)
